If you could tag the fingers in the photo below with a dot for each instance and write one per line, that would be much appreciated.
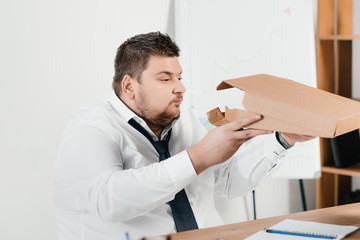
(243, 122)
(250, 133)
(237, 127)
(293, 138)
(307, 137)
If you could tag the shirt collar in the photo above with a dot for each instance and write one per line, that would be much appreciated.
(126, 114)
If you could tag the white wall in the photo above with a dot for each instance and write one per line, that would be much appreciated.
(56, 57)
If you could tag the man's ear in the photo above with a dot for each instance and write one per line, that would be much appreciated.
(128, 86)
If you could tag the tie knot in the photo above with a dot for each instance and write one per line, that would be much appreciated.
(162, 148)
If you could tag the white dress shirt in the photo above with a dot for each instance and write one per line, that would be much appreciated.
(109, 180)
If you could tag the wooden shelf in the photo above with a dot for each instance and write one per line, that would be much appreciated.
(338, 37)
(334, 43)
(349, 171)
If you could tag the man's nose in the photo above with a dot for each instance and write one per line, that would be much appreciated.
(179, 88)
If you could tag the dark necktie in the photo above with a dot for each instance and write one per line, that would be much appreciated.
(182, 213)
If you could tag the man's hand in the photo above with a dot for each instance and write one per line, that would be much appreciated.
(292, 138)
(222, 142)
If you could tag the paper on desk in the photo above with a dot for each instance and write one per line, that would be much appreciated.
(290, 225)
(262, 235)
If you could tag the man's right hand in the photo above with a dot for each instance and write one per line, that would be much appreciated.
(222, 142)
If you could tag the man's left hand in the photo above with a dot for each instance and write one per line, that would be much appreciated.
(292, 138)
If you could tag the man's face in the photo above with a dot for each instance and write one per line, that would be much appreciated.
(160, 93)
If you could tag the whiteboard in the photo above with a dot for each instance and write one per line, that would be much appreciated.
(234, 38)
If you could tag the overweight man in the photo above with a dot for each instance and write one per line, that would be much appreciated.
(139, 164)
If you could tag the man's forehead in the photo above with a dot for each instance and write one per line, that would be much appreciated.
(164, 65)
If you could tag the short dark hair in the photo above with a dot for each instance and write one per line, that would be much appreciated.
(133, 55)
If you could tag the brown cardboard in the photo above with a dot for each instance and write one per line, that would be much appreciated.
(289, 106)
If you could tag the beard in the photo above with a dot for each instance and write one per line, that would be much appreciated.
(158, 120)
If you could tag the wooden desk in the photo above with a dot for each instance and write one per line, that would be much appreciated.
(344, 214)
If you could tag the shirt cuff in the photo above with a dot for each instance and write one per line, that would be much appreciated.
(180, 169)
(275, 151)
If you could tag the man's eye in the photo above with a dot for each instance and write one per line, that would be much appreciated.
(165, 79)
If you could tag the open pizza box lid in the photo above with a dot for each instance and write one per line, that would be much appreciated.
(291, 107)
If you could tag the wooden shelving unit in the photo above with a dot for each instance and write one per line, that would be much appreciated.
(350, 171)
(334, 73)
